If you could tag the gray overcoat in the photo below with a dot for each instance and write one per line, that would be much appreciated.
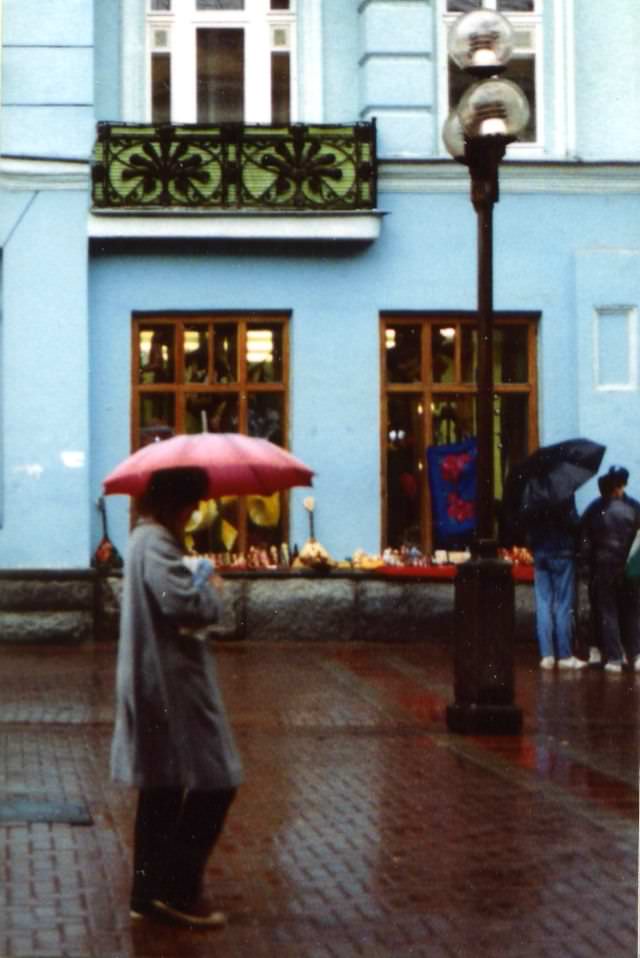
(171, 730)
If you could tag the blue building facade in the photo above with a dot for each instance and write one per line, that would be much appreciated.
(367, 312)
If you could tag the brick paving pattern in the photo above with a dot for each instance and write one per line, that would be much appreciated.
(364, 828)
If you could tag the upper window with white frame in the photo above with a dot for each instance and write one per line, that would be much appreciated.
(525, 67)
(221, 61)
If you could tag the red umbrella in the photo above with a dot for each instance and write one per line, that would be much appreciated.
(235, 465)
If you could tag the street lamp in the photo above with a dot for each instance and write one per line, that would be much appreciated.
(490, 115)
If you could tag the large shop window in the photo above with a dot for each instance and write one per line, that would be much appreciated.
(429, 382)
(216, 373)
(217, 61)
(525, 66)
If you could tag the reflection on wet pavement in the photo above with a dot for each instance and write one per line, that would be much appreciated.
(364, 828)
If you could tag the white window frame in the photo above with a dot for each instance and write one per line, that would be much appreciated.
(533, 22)
(259, 24)
(630, 313)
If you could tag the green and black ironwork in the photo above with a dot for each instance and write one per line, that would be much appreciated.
(233, 166)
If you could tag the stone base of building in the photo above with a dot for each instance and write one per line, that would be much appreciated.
(47, 606)
(75, 606)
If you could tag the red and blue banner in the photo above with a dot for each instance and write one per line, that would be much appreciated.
(452, 479)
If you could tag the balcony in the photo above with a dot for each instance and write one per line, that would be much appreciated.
(299, 181)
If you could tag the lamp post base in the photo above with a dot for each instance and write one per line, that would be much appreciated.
(475, 719)
(484, 623)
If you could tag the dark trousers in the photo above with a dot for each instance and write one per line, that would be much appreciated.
(616, 612)
(175, 832)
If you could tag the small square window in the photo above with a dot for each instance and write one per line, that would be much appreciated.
(157, 5)
(615, 351)
(280, 4)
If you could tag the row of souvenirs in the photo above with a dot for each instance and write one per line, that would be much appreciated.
(313, 555)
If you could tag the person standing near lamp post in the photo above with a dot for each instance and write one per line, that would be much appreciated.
(607, 530)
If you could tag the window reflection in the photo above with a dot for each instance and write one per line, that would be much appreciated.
(403, 353)
(453, 418)
(264, 354)
(405, 470)
(156, 417)
(196, 354)
(443, 354)
(157, 364)
(225, 353)
(265, 416)
(205, 412)
(511, 351)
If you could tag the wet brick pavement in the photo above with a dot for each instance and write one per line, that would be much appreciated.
(364, 828)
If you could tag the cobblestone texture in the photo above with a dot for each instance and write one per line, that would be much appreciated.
(364, 828)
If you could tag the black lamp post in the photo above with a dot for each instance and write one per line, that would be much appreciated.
(490, 115)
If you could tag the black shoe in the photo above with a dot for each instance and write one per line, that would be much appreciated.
(141, 908)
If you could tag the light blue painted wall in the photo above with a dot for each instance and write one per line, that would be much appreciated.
(607, 79)
(108, 66)
(331, 418)
(425, 260)
(47, 79)
(45, 386)
(56, 23)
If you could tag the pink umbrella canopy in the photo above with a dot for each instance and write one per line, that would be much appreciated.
(235, 465)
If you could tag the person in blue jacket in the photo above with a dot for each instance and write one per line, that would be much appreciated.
(553, 540)
(607, 530)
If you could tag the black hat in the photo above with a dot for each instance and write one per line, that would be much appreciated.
(616, 476)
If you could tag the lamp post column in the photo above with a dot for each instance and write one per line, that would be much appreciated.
(484, 616)
(489, 116)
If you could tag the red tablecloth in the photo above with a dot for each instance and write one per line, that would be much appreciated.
(521, 573)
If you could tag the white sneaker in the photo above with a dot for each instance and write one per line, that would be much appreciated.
(613, 667)
(548, 662)
(571, 663)
(595, 656)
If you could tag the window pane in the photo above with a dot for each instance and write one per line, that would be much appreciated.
(463, 6)
(403, 353)
(266, 416)
(511, 425)
(280, 4)
(264, 354)
(443, 348)
(160, 87)
(511, 358)
(516, 6)
(157, 417)
(522, 71)
(280, 89)
(220, 5)
(157, 355)
(453, 418)
(469, 352)
(264, 521)
(225, 353)
(220, 76)
(405, 470)
(218, 529)
(216, 413)
(196, 354)
(161, 4)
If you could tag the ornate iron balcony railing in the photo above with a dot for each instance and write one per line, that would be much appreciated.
(235, 167)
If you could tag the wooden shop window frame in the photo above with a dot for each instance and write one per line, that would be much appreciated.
(427, 391)
(243, 389)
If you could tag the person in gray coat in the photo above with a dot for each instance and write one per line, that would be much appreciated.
(171, 739)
